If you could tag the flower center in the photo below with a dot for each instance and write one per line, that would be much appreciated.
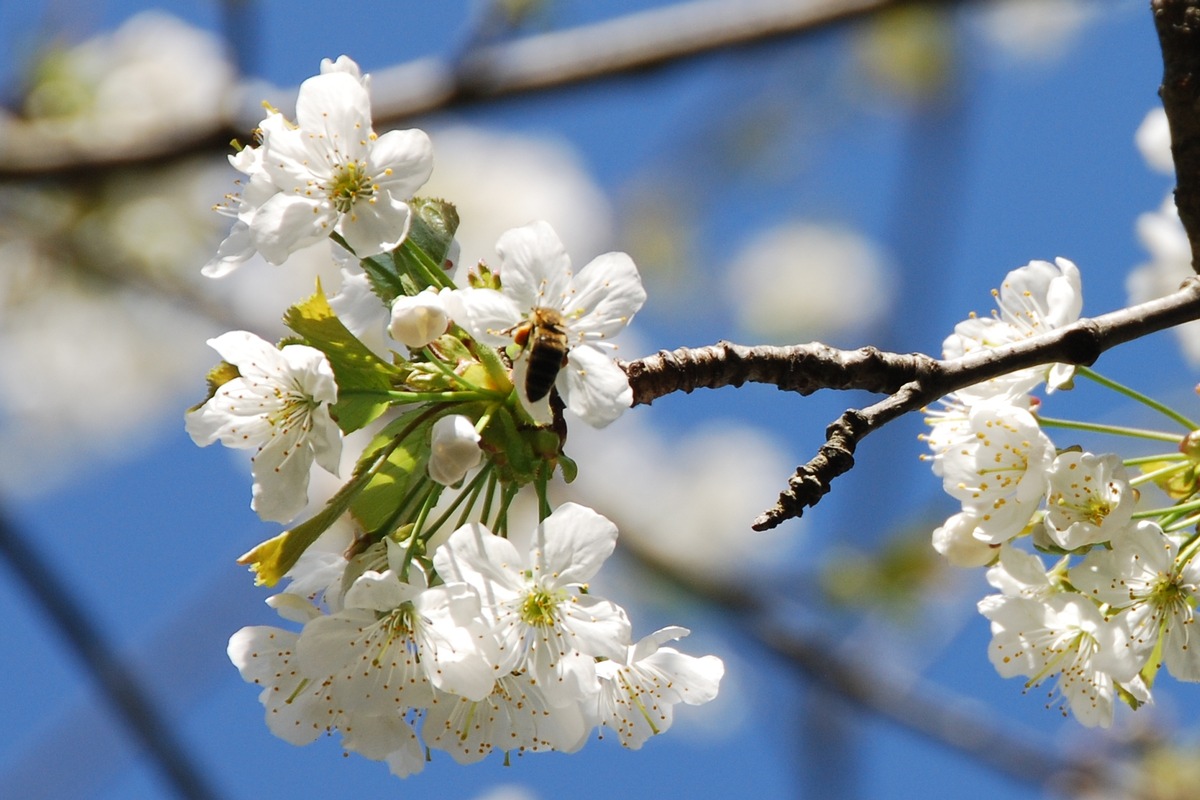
(538, 608)
(349, 185)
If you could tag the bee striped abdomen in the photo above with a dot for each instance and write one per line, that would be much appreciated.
(547, 352)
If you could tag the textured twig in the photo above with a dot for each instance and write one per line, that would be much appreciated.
(1178, 25)
(534, 63)
(910, 381)
(802, 368)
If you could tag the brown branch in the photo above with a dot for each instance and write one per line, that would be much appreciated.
(911, 381)
(632, 43)
(1178, 25)
(803, 368)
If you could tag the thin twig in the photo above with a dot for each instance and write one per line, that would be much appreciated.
(911, 381)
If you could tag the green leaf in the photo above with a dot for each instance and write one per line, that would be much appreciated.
(433, 227)
(420, 259)
(363, 378)
(380, 502)
(271, 559)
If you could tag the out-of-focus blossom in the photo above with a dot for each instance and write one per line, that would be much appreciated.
(1034, 30)
(1153, 138)
(686, 497)
(803, 281)
(153, 78)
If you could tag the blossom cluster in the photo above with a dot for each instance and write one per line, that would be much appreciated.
(1094, 592)
(439, 621)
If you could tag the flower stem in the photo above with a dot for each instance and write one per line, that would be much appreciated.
(1162, 472)
(1138, 396)
(1173, 511)
(1115, 430)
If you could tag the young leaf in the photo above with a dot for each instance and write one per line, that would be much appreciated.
(363, 378)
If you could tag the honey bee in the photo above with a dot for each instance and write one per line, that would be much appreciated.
(544, 337)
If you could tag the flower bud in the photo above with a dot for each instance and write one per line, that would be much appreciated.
(418, 320)
(454, 449)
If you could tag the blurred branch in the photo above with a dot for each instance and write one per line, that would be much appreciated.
(627, 44)
(1178, 25)
(886, 692)
(125, 694)
(911, 381)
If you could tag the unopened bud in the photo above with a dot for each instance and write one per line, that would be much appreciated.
(419, 319)
(454, 449)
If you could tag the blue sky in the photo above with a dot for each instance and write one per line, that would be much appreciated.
(1033, 158)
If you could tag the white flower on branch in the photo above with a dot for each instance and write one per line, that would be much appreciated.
(541, 296)
(1090, 499)
(279, 405)
(1065, 638)
(1142, 575)
(542, 616)
(401, 640)
(1032, 300)
(999, 472)
(327, 173)
(638, 693)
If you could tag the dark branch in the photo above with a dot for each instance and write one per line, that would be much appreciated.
(803, 368)
(535, 63)
(1178, 24)
(910, 381)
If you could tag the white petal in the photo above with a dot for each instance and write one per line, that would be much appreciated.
(335, 108)
(488, 315)
(401, 162)
(608, 293)
(375, 226)
(286, 223)
(535, 270)
(572, 544)
(593, 387)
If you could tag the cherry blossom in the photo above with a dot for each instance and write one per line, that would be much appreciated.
(278, 405)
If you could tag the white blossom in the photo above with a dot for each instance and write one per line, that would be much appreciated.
(638, 693)
(278, 405)
(515, 716)
(1032, 300)
(999, 472)
(1064, 638)
(1090, 499)
(329, 172)
(300, 706)
(542, 616)
(1142, 575)
(401, 640)
(535, 273)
